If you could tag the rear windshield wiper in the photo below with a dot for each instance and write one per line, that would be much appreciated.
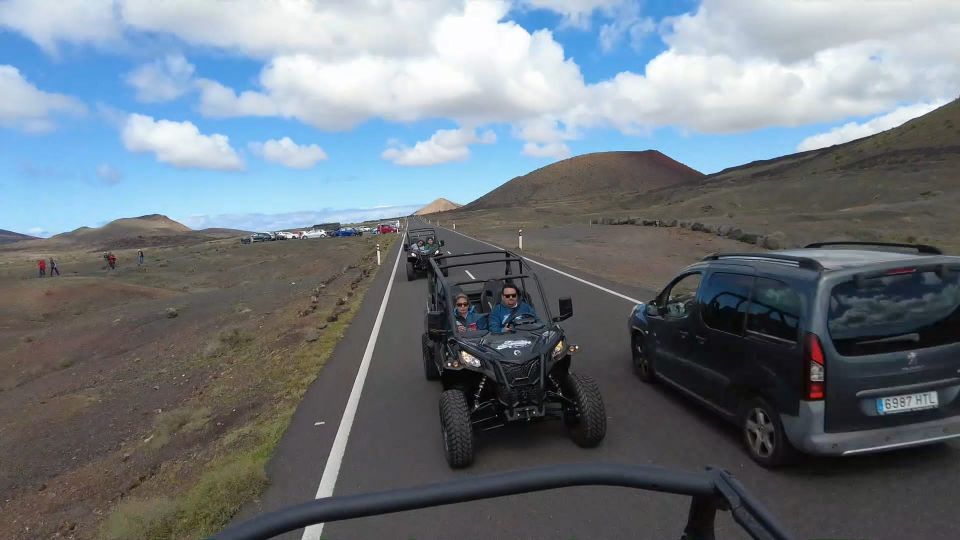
(914, 337)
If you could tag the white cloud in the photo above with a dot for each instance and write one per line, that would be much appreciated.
(731, 65)
(179, 144)
(109, 174)
(626, 23)
(264, 28)
(25, 107)
(444, 146)
(555, 149)
(38, 232)
(50, 22)
(854, 130)
(289, 220)
(478, 70)
(162, 80)
(576, 13)
(289, 153)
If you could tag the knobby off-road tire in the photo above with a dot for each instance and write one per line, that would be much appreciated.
(430, 369)
(456, 428)
(589, 427)
(411, 273)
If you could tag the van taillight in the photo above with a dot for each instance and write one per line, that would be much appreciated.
(814, 368)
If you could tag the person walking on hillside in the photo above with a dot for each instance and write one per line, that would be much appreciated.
(112, 260)
(54, 267)
(42, 265)
(139, 257)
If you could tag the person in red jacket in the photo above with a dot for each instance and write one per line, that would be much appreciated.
(42, 264)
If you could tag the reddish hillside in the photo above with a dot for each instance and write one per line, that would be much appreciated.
(606, 174)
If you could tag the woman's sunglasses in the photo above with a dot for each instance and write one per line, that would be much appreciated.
(462, 304)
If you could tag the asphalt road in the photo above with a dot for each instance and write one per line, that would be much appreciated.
(395, 442)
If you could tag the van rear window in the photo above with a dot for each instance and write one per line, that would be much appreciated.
(895, 313)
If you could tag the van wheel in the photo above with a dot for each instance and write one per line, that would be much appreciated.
(457, 429)
(429, 366)
(763, 435)
(642, 365)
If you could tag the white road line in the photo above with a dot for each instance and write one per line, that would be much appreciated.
(561, 272)
(332, 470)
(469, 274)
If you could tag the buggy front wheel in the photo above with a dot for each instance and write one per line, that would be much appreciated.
(586, 420)
(457, 429)
(411, 274)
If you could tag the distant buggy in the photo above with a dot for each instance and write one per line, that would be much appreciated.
(490, 379)
(418, 262)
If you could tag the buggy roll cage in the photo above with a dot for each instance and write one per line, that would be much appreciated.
(440, 263)
(420, 232)
(710, 491)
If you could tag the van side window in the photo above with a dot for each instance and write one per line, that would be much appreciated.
(682, 295)
(725, 301)
(774, 310)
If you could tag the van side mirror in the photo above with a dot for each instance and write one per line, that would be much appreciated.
(566, 309)
(652, 310)
(435, 320)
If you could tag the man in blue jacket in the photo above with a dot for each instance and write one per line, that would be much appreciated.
(509, 307)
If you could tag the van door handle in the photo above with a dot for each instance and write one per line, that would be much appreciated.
(700, 339)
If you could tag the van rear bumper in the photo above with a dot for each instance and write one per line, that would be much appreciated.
(806, 434)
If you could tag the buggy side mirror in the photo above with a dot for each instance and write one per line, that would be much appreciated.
(566, 309)
(652, 310)
(441, 243)
(435, 320)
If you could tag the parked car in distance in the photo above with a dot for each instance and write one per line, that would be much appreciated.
(261, 237)
(315, 234)
(385, 228)
(826, 350)
(346, 231)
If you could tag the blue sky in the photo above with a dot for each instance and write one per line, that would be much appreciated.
(252, 116)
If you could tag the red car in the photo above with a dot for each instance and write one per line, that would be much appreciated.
(384, 228)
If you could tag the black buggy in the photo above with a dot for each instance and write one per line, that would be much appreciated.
(418, 263)
(490, 379)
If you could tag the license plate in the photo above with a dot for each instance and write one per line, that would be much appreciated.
(907, 402)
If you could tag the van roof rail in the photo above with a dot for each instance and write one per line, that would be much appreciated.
(801, 262)
(921, 248)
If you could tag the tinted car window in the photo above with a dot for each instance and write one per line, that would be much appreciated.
(895, 313)
(682, 296)
(774, 309)
(725, 301)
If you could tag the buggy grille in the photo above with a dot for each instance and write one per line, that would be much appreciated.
(521, 395)
(525, 373)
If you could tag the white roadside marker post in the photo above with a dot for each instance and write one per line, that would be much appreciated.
(454, 225)
(378, 253)
(520, 238)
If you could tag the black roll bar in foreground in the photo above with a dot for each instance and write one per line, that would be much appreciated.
(710, 491)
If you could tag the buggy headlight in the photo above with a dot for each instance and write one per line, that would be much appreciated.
(469, 359)
(558, 350)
